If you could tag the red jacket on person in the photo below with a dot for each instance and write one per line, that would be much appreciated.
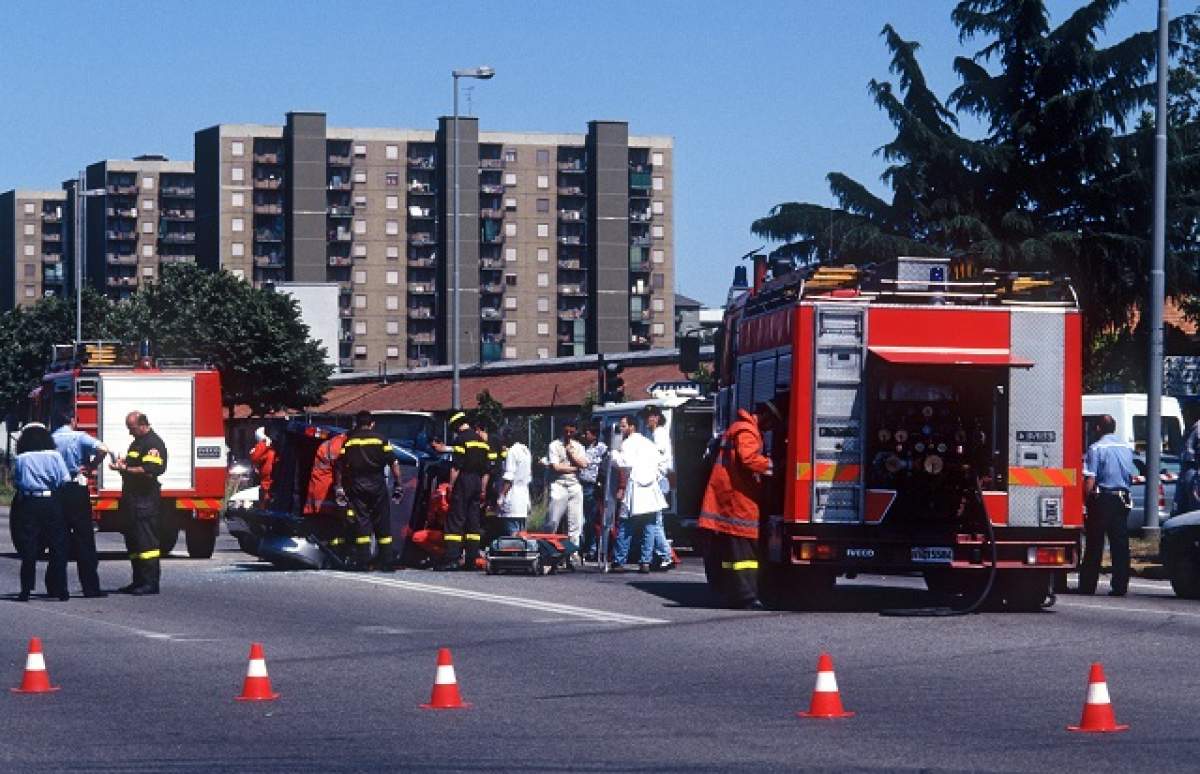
(262, 457)
(731, 498)
(321, 500)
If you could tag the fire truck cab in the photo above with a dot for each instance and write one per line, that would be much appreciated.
(101, 383)
(931, 424)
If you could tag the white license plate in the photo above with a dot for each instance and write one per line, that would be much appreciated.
(932, 555)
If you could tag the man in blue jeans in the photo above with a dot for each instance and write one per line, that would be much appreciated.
(639, 496)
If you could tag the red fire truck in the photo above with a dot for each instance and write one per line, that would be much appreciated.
(181, 397)
(933, 421)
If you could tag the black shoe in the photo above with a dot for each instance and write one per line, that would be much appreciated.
(127, 588)
(143, 591)
(643, 569)
(1115, 593)
(664, 566)
(23, 596)
(753, 604)
(97, 594)
(62, 597)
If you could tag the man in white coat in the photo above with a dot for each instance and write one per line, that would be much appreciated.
(514, 488)
(639, 493)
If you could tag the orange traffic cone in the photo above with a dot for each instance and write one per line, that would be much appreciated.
(36, 679)
(1098, 714)
(826, 701)
(445, 686)
(257, 686)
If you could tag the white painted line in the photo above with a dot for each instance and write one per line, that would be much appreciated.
(603, 616)
(1111, 608)
(148, 634)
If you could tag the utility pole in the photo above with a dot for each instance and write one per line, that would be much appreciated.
(1154, 381)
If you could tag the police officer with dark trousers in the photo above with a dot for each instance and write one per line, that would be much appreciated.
(1107, 477)
(364, 457)
(141, 501)
(80, 451)
(471, 465)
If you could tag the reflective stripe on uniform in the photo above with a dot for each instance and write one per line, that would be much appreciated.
(745, 564)
(337, 541)
(362, 540)
(452, 538)
(153, 553)
(383, 541)
(473, 536)
(477, 445)
(154, 458)
(364, 442)
(459, 450)
(134, 454)
(731, 521)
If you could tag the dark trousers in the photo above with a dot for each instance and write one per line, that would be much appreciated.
(1107, 514)
(141, 517)
(77, 512)
(591, 519)
(40, 522)
(463, 521)
(369, 507)
(732, 568)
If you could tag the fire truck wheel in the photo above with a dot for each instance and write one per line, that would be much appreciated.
(1185, 578)
(201, 538)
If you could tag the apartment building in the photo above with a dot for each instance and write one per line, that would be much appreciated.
(33, 262)
(565, 240)
(141, 214)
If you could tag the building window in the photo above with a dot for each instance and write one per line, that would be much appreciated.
(239, 274)
(391, 277)
(147, 251)
(28, 208)
(510, 254)
(29, 250)
(360, 227)
(391, 152)
(510, 155)
(360, 201)
(237, 148)
(360, 151)
(360, 250)
(147, 184)
(658, 305)
(392, 202)
(393, 252)
(510, 204)
(510, 178)
(360, 175)
(392, 327)
(392, 228)
(543, 280)
(29, 291)
(28, 229)
(510, 229)
(393, 352)
(543, 229)
(543, 254)
(657, 281)
(658, 256)
(657, 232)
(30, 271)
(543, 353)
(236, 174)
(510, 353)
(360, 351)
(147, 204)
(656, 159)
(543, 157)
(543, 304)
(237, 226)
(360, 302)
(237, 199)
(656, 183)
(510, 328)
(656, 207)
(360, 277)
(543, 182)
(510, 280)
(543, 205)
(237, 249)
(510, 302)
(659, 329)
(392, 303)
(147, 227)
(360, 327)
(391, 178)
(543, 329)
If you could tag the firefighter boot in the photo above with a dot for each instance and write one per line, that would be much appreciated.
(385, 559)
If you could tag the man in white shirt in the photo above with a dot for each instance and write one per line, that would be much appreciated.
(565, 458)
(514, 488)
(660, 434)
(639, 493)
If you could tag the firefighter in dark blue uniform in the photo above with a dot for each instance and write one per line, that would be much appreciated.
(471, 464)
(360, 476)
(141, 502)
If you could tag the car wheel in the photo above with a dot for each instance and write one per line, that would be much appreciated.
(1185, 578)
(202, 538)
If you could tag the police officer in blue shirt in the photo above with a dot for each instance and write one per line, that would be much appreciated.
(79, 450)
(38, 473)
(1107, 477)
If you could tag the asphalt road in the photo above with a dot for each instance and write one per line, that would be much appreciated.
(582, 671)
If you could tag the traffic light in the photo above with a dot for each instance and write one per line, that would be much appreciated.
(614, 385)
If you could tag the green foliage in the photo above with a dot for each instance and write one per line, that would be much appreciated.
(586, 408)
(1060, 181)
(490, 409)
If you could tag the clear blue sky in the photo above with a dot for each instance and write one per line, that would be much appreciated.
(762, 98)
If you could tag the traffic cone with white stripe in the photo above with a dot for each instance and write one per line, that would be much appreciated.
(36, 679)
(826, 701)
(445, 687)
(258, 685)
(1098, 716)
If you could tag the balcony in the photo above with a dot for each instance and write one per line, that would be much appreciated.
(641, 316)
(494, 288)
(570, 190)
(121, 190)
(422, 262)
(119, 259)
(418, 187)
(491, 188)
(53, 258)
(269, 261)
(570, 216)
(121, 236)
(178, 237)
(639, 241)
(574, 165)
(267, 158)
(571, 338)
(570, 264)
(52, 278)
(51, 236)
(176, 258)
(121, 282)
(491, 263)
(268, 209)
(639, 181)
(268, 235)
(572, 289)
(340, 260)
(340, 235)
(492, 338)
(641, 216)
(422, 338)
(420, 238)
(339, 211)
(52, 216)
(640, 267)
(420, 312)
(491, 164)
(572, 314)
(421, 289)
(179, 191)
(176, 213)
(421, 162)
(491, 213)
(490, 312)
(637, 340)
(337, 160)
(267, 183)
(571, 239)
(491, 239)
(337, 184)
(121, 212)
(417, 212)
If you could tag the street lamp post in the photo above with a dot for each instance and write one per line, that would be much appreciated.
(482, 73)
(80, 215)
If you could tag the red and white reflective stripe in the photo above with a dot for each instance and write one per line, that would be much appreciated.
(1097, 693)
(256, 668)
(445, 675)
(35, 662)
(826, 682)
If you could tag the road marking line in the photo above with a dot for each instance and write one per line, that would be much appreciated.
(148, 634)
(500, 599)
(1121, 609)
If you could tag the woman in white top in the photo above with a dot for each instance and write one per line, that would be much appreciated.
(514, 489)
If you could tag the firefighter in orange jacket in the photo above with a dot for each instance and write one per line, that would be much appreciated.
(329, 518)
(730, 509)
(262, 457)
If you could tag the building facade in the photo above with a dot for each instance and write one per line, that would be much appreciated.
(565, 240)
(34, 261)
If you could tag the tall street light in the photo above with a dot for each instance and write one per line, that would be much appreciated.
(80, 215)
(482, 73)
